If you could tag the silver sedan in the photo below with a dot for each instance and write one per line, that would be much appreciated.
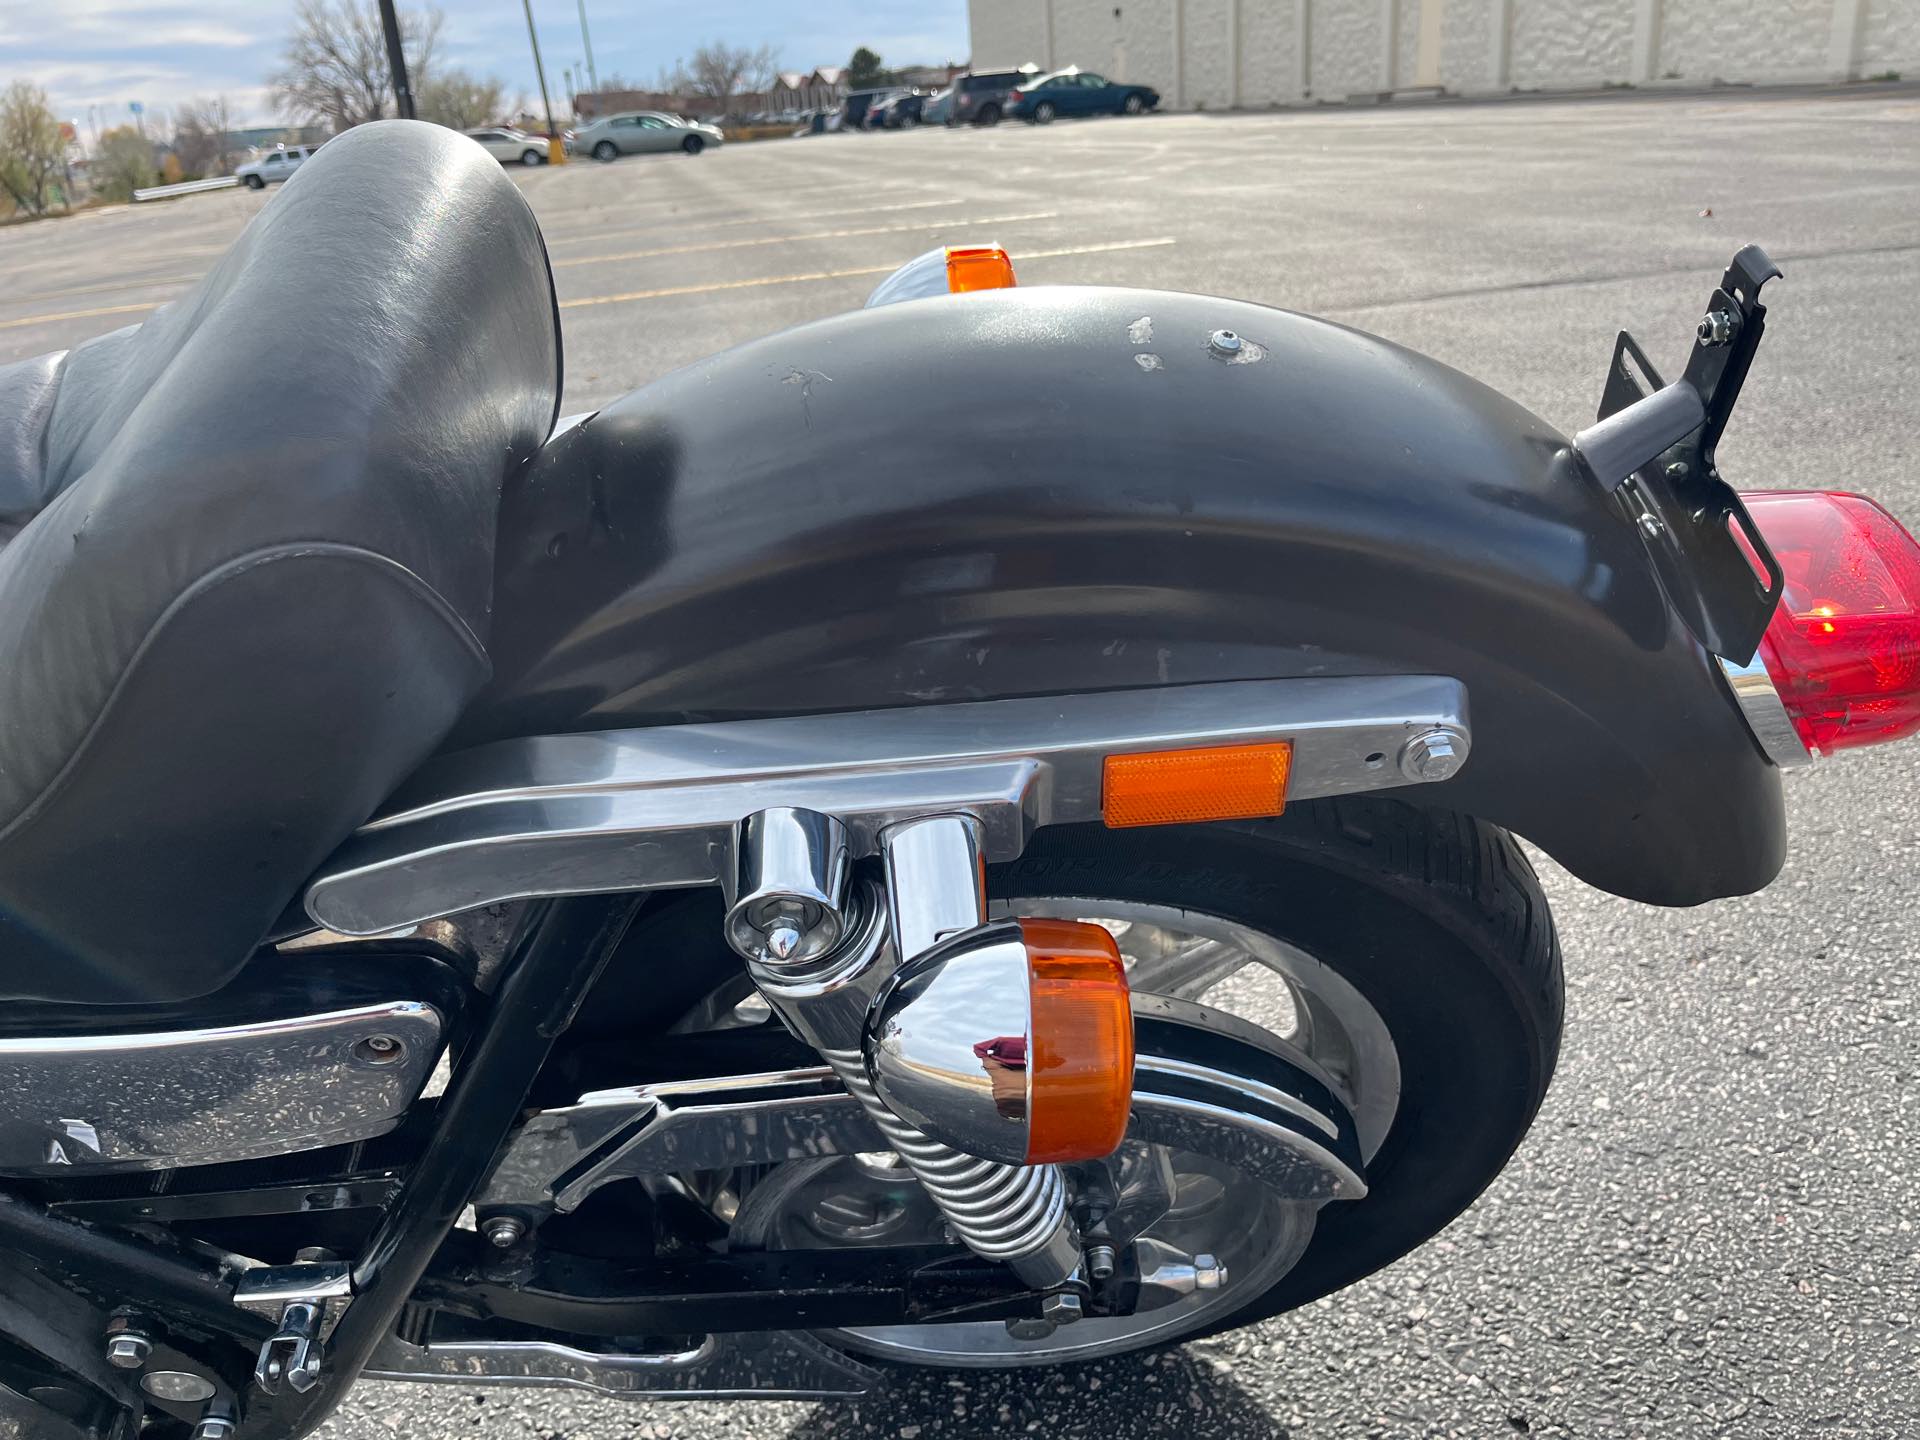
(639, 131)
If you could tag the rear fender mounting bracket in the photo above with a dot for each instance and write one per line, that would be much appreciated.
(1653, 448)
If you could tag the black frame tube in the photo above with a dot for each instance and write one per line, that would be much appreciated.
(560, 951)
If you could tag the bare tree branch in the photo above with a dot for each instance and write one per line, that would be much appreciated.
(204, 139)
(720, 71)
(460, 101)
(335, 65)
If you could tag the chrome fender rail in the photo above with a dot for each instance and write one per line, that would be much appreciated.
(655, 808)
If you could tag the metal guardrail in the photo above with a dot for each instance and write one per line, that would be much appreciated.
(186, 187)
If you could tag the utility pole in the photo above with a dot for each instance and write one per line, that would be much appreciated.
(396, 61)
(593, 76)
(556, 151)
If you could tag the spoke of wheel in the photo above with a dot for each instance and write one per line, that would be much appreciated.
(1189, 972)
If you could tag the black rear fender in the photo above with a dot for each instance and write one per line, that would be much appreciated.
(1049, 490)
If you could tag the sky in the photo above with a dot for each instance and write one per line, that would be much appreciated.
(94, 57)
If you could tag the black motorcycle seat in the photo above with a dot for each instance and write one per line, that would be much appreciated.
(246, 560)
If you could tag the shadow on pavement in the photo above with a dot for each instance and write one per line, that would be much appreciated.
(1110, 1400)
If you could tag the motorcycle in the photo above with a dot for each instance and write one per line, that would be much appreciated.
(634, 904)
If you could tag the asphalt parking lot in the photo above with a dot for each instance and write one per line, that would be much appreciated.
(1712, 1228)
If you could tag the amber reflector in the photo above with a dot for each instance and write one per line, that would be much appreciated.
(1177, 787)
(1079, 1042)
(978, 267)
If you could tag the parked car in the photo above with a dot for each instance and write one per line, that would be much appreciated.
(854, 108)
(980, 96)
(510, 146)
(276, 164)
(640, 131)
(939, 107)
(897, 112)
(1077, 92)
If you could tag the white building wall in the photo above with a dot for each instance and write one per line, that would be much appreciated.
(1086, 34)
(1359, 47)
(1466, 46)
(1207, 57)
(1008, 32)
(1572, 43)
(1406, 42)
(1701, 39)
(1269, 54)
(1345, 47)
(1889, 39)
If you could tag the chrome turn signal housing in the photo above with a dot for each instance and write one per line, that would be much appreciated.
(1012, 1042)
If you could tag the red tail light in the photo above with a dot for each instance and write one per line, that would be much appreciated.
(1014, 96)
(1843, 649)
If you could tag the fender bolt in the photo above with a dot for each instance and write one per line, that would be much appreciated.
(1434, 755)
(503, 1232)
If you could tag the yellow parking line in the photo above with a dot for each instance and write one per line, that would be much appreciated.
(632, 295)
(1020, 259)
(599, 232)
(706, 245)
(80, 314)
(150, 280)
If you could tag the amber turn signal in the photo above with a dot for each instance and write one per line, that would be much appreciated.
(1180, 787)
(978, 267)
(1080, 1052)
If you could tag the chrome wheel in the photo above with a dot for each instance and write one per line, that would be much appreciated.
(1257, 977)
(1187, 1205)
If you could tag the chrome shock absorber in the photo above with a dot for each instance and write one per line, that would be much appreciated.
(821, 953)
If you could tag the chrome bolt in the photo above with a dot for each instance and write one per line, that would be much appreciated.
(1061, 1309)
(1651, 527)
(1717, 327)
(1224, 342)
(1434, 755)
(379, 1050)
(503, 1232)
(783, 940)
(213, 1427)
(128, 1349)
(1208, 1273)
(1100, 1261)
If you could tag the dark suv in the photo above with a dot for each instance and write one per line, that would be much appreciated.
(980, 96)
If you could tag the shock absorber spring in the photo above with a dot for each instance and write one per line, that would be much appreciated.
(820, 955)
(1015, 1213)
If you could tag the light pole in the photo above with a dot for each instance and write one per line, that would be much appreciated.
(586, 41)
(556, 151)
(396, 61)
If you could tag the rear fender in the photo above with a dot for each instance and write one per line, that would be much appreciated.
(1046, 490)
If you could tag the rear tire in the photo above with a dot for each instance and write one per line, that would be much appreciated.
(1044, 112)
(693, 144)
(1436, 919)
(989, 116)
(606, 152)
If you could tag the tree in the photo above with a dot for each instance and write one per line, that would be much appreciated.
(122, 163)
(32, 154)
(335, 69)
(720, 71)
(204, 139)
(865, 71)
(460, 101)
